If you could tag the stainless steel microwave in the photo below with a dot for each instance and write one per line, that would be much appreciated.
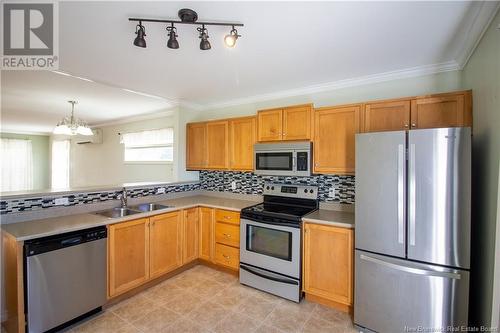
(283, 159)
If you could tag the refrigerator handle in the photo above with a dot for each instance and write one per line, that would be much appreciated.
(401, 166)
(411, 270)
(411, 194)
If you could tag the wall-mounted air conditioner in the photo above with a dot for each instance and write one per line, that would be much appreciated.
(96, 138)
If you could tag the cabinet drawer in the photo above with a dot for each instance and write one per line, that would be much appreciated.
(228, 234)
(227, 216)
(227, 256)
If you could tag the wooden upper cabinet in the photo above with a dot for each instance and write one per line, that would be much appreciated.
(128, 251)
(206, 234)
(290, 123)
(165, 239)
(443, 110)
(270, 125)
(297, 123)
(196, 146)
(386, 116)
(190, 235)
(217, 144)
(328, 262)
(243, 135)
(334, 139)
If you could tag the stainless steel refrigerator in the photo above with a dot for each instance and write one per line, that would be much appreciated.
(412, 235)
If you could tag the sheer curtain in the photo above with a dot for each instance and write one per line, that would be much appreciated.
(60, 164)
(17, 165)
(149, 146)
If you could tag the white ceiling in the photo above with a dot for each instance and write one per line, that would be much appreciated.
(285, 46)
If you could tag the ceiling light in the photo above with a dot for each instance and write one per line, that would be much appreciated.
(204, 44)
(172, 40)
(71, 125)
(230, 40)
(187, 16)
(140, 31)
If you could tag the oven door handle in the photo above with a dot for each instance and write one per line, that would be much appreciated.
(264, 276)
(297, 226)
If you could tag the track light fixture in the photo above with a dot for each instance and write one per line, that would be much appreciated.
(187, 16)
(230, 40)
(140, 31)
(172, 40)
(204, 43)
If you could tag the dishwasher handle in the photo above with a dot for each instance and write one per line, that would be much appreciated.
(71, 241)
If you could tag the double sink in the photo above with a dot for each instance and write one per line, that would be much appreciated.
(126, 211)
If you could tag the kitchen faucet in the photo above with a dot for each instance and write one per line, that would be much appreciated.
(123, 198)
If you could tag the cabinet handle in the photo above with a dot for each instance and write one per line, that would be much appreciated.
(227, 257)
(413, 125)
(406, 125)
(227, 217)
(284, 134)
(227, 235)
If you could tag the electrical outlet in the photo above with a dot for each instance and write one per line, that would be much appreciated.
(331, 192)
(161, 190)
(61, 201)
(233, 185)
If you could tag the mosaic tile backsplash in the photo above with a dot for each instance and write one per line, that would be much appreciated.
(30, 204)
(250, 183)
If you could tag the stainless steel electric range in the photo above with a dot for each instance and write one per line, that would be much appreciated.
(270, 237)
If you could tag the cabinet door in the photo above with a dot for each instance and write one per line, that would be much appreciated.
(386, 116)
(206, 246)
(297, 123)
(217, 145)
(334, 139)
(450, 110)
(269, 125)
(196, 141)
(242, 133)
(227, 256)
(165, 239)
(190, 232)
(128, 251)
(328, 262)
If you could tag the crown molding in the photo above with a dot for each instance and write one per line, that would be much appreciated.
(340, 84)
(483, 16)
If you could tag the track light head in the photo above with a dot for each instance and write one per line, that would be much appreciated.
(172, 40)
(140, 31)
(204, 43)
(230, 40)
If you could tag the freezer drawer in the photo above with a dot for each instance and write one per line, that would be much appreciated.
(391, 294)
(439, 196)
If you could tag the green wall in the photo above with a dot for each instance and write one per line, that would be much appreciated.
(482, 75)
(41, 157)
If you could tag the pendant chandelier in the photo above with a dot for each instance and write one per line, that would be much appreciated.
(71, 125)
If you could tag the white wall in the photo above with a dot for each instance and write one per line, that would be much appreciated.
(102, 164)
(482, 75)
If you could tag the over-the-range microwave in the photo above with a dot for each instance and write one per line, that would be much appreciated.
(283, 159)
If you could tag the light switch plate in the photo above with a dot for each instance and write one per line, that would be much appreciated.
(331, 192)
(233, 185)
(61, 201)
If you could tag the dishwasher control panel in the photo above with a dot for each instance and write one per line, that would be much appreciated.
(52, 243)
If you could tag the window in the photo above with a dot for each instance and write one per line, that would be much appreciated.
(17, 165)
(156, 146)
(60, 164)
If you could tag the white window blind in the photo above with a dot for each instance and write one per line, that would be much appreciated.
(149, 146)
(17, 165)
(60, 164)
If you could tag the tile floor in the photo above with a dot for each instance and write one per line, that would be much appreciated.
(202, 299)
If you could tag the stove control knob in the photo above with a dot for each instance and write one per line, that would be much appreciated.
(305, 190)
(267, 187)
(311, 191)
(272, 188)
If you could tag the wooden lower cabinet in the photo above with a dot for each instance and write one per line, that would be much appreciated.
(227, 256)
(206, 234)
(227, 233)
(128, 251)
(190, 242)
(165, 243)
(328, 264)
(227, 238)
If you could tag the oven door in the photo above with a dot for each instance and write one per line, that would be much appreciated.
(275, 162)
(272, 247)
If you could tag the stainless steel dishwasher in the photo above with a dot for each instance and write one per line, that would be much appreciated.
(65, 278)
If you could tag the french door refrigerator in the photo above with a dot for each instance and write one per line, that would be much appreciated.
(412, 234)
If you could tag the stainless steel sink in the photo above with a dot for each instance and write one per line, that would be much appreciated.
(149, 207)
(118, 212)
